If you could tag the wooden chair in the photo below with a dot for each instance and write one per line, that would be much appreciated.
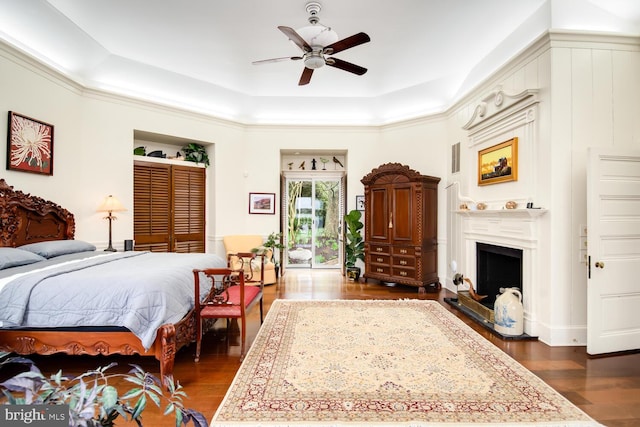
(228, 298)
(247, 243)
(246, 261)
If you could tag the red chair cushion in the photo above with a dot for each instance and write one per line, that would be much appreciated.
(232, 310)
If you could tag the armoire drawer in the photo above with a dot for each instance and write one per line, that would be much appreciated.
(405, 273)
(403, 250)
(379, 249)
(404, 261)
(379, 259)
(381, 269)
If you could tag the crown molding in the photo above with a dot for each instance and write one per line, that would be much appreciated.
(496, 102)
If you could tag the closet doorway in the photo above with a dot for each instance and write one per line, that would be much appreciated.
(313, 209)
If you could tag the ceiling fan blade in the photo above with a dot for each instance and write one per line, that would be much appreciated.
(284, 58)
(346, 66)
(296, 38)
(349, 42)
(305, 78)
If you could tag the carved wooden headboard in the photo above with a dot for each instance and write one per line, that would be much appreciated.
(29, 219)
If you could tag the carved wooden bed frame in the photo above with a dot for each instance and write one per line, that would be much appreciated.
(29, 219)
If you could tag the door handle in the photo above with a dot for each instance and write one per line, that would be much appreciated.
(599, 264)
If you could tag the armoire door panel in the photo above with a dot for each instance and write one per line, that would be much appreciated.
(402, 230)
(379, 215)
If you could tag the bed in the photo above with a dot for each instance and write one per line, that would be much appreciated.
(61, 295)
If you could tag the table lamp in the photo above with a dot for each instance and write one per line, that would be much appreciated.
(110, 205)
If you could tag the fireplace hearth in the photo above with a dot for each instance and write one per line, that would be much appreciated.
(497, 267)
(517, 230)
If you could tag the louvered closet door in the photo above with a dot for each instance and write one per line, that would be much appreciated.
(188, 184)
(152, 207)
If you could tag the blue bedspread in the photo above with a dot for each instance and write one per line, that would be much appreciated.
(137, 290)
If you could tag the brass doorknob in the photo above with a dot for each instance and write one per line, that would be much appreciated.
(599, 264)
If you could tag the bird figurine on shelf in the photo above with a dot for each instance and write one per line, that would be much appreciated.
(324, 163)
(290, 164)
(337, 162)
(301, 165)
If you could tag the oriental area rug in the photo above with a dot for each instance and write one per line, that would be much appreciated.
(384, 363)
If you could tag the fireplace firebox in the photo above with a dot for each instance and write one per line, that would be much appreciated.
(497, 267)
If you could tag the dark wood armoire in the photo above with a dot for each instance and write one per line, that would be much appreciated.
(401, 242)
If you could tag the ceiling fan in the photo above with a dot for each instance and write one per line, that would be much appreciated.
(317, 43)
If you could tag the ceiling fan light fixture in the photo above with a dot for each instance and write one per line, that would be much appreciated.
(314, 61)
(318, 35)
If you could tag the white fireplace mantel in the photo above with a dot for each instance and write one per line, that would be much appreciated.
(503, 213)
(513, 228)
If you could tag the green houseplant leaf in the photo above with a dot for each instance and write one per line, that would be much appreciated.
(92, 401)
(354, 248)
(196, 153)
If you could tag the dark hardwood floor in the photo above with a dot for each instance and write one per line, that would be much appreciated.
(607, 388)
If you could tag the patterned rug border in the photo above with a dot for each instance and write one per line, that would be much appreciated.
(253, 388)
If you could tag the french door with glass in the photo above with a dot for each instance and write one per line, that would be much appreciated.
(313, 211)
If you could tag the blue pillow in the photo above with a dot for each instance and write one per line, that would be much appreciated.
(12, 257)
(54, 248)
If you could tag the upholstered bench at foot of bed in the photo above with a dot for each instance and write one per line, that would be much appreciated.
(229, 299)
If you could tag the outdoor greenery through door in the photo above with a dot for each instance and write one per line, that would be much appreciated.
(312, 221)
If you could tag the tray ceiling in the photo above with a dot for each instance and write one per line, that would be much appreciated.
(197, 54)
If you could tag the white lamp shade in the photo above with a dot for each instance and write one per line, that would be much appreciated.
(111, 204)
(317, 35)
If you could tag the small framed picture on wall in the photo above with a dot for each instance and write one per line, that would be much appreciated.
(360, 203)
(262, 203)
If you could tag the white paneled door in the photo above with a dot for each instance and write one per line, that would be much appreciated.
(613, 203)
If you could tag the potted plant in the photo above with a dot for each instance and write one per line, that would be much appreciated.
(92, 400)
(196, 153)
(273, 242)
(354, 248)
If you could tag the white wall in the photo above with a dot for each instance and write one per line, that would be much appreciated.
(589, 92)
(595, 102)
(93, 147)
(94, 141)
